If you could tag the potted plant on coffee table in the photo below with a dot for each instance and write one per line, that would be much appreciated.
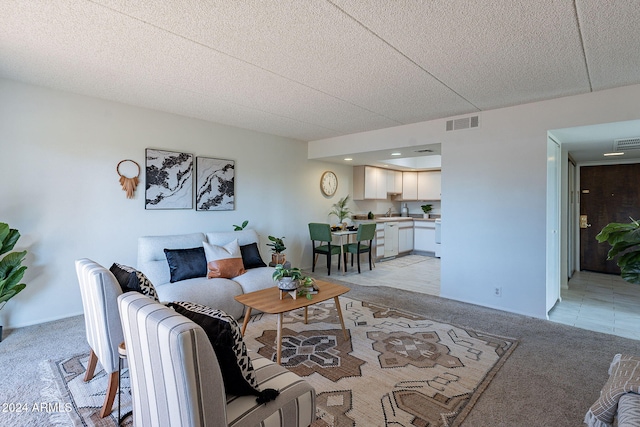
(307, 287)
(292, 280)
(11, 268)
(277, 247)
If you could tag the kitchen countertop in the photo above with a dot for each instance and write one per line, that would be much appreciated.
(395, 219)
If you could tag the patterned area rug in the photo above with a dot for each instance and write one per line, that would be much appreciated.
(83, 400)
(397, 369)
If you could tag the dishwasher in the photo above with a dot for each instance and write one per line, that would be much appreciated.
(391, 233)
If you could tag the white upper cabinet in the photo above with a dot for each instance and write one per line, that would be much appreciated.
(424, 185)
(409, 185)
(381, 182)
(394, 182)
(429, 184)
(369, 183)
(373, 183)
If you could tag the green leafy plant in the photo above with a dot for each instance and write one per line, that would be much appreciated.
(11, 268)
(277, 245)
(340, 209)
(306, 287)
(240, 227)
(305, 283)
(295, 273)
(625, 243)
(426, 208)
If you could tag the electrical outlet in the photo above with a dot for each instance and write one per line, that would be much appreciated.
(497, 291)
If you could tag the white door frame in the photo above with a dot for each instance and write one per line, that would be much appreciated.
(553, 224)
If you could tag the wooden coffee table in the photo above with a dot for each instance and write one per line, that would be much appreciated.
(268, 301)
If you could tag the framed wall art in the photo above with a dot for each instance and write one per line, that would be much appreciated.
(169, 180)
(215, 184)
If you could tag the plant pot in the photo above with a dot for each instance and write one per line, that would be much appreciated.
(287, 284)
(278, 258)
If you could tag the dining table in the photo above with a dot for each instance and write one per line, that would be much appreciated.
(342, 234)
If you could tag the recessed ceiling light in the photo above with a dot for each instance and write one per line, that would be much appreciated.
(617, 153)
(348, 159)
(396, 154)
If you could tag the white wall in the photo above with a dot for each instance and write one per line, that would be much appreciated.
(494, 191)
(60, 188)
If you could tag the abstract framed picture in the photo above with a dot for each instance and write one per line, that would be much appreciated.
(169, 180)
(215, 184)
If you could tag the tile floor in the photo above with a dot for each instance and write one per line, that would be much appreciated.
(411, 272)
(600, 302)
(593, 301)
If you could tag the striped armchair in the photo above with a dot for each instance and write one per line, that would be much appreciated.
(99, 289)
(176, 379)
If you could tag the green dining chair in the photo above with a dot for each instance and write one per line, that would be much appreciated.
(366, 233)
(322, 233)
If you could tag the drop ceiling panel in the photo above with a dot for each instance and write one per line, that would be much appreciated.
(315, 69)
(494, 53)
(126, 47)
(612, 41)
(311, 43)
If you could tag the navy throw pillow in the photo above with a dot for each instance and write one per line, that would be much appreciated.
(186, 263)
(251, 256)
(131, 279)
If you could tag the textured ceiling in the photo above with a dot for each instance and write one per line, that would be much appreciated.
(313, 69)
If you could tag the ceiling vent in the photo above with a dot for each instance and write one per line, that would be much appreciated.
(626, 144)
(426, 150)
(463, 123)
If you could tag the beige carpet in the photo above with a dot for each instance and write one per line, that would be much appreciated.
(397, 368)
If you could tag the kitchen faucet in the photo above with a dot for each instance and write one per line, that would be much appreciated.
(389, 213)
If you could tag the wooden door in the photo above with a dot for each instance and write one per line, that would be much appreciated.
(609, 193)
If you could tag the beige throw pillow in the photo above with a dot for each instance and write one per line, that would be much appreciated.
(224, 261)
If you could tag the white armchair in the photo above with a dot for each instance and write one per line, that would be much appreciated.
(176, 379)
(100, 290)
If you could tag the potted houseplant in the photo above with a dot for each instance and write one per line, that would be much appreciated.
(341, 210)
(11, 268)
(292, 279)
(625, 242)
(306, 287)
(426, 209)
(286, 278)
(277, 247)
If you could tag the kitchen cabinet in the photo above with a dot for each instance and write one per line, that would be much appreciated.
(369, 183)
(409, 185)
(390, 239)
(429, 184)
(405, 236)
(379, 242)
(424, 185)
(424, 236)
(394, 182)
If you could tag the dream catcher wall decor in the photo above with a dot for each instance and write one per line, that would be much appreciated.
(128, 184)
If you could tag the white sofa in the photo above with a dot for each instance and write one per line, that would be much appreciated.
(216, 293)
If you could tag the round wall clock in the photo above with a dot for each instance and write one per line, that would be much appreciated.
(329, 183)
